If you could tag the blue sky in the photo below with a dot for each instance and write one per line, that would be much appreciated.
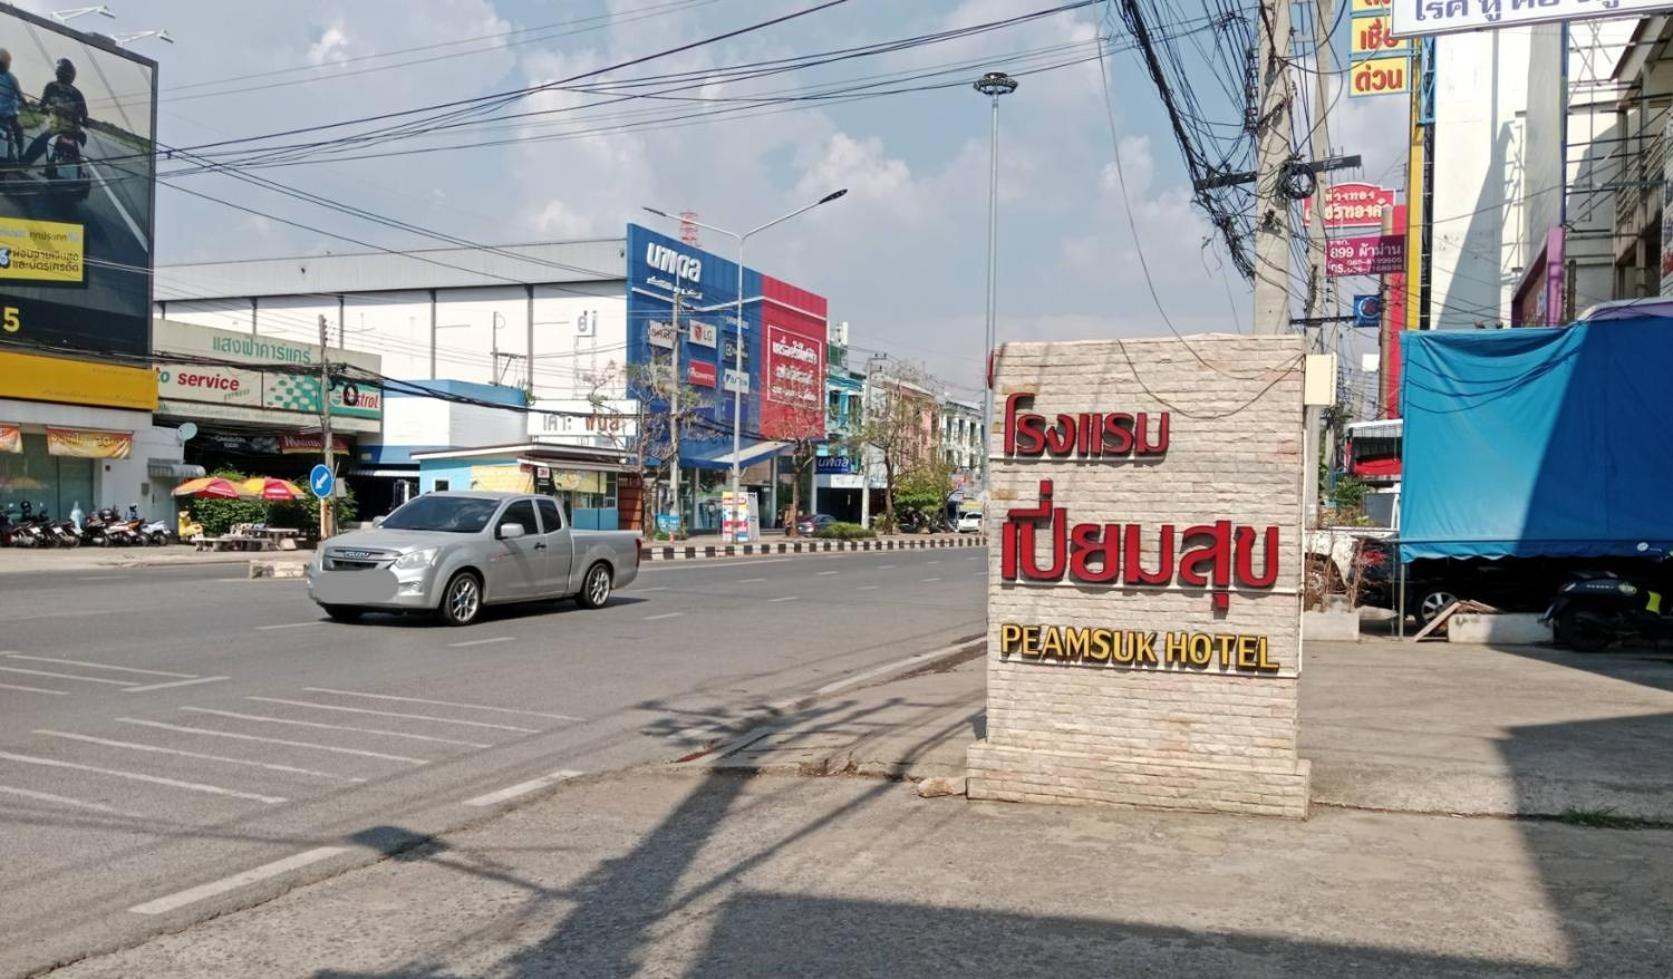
(902, 257)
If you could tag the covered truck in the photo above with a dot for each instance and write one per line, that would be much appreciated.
(1531, 452)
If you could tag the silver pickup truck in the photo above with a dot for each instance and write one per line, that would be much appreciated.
(453, 553)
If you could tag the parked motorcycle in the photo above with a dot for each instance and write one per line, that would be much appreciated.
(1597, 608)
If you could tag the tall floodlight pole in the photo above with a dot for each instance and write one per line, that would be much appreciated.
(993, 85)
(738, 346)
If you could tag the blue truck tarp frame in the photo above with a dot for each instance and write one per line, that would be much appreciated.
(1538, 442)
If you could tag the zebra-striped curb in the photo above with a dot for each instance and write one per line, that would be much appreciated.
(701, 552)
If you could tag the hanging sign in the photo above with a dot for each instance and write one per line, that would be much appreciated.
(1413, 18)
(1365, 255)
(1351, 205)
(87, 444)
(1370, 37)
(11, 438)
(701, 374)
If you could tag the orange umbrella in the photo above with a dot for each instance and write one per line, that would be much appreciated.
(208, 486)
(271, 489)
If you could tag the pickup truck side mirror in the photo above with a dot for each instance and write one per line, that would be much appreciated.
(510, 531)
(377, 521)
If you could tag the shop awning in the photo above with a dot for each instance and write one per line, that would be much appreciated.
(408, 473)
(163, 469)
(749, 455)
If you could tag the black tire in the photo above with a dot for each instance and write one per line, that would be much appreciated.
(595, 586)
(461, 600)
(1433, 603)
(344, 613)
(1573, 632)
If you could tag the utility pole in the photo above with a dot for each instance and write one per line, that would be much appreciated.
(1272, 159)
(993, 85)
(325, 424)
(674, 414)
(1318, 140)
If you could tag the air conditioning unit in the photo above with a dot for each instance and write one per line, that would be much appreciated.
(839, 334)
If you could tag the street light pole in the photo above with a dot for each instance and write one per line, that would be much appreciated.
(993, 85)
(738, 347)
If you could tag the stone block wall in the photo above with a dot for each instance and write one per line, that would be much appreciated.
(1179, 734)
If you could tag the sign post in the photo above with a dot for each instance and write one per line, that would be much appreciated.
(1144, 590)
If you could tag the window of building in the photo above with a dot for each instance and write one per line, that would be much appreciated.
(442, 485)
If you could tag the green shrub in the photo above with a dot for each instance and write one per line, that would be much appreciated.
(846, 531)
(219, 515)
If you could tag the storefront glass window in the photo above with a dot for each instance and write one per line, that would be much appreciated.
(56, 482)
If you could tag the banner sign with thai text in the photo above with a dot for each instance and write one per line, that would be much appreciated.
(1365, 255)
(1414, 18)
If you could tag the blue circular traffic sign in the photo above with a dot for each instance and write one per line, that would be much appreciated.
(321, 480)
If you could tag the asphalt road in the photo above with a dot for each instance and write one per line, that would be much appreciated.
(178, 742)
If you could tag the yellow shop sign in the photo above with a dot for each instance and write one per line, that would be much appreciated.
(76, 382)
(41, 251)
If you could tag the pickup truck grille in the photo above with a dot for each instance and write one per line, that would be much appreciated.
(355, 560)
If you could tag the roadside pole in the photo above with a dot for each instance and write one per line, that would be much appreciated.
(325, 521)
(1272, 157)
(674, 415)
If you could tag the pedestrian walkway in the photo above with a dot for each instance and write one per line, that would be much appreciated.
(19, 560)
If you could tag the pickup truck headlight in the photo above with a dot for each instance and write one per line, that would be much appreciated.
(420, 558)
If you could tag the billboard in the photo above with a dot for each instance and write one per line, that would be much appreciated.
(1351, 205)
(1413, 18)
(782, 382)
(77, 180)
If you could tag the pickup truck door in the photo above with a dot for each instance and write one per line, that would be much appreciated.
(558, 554)
(514, 566)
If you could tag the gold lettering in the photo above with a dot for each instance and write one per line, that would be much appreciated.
(1176, 648)
(1201, 650)
(1076, 640)
(1123, 652)
(1051, 643)
(1264, 663)
(1144, 650)
(1246, 652)
(1009, 633)
(1100, 647)
(1031, 641)
(1225, 640)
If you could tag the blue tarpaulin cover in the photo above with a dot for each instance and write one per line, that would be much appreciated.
(1538, 442)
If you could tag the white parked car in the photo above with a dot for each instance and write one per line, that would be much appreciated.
(970, 523)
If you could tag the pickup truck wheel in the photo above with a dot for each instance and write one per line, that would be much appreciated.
(344, 613)
(595, 587)
(1433, 603)
(461, 600)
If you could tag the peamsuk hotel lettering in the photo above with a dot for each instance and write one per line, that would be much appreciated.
(1209, 556)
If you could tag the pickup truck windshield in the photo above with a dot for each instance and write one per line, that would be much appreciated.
(452, 514)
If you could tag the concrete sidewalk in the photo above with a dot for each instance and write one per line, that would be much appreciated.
(18, 560)
(698, 873)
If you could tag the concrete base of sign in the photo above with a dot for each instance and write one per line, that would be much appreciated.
(1065, 777)
(1511, 628)
(1332, 626)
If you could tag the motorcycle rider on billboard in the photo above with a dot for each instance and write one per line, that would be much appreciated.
(66, 108)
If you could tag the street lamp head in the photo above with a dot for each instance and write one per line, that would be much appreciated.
(996, 83)
(660, 214)
(833, 195)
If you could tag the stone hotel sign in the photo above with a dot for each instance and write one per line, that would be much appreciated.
(1144, 603)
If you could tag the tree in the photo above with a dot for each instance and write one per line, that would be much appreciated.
(651, 437)
(900, 424)
(921, 492)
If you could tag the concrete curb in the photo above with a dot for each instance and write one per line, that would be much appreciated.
(957, 652)
(702, 552)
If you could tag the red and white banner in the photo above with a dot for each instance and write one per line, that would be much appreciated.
(1351, 205)
(11, 438)
(298, 444)
(1365, 255)
(701, 374)
(792, 361)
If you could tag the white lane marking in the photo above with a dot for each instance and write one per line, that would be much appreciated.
(271, 800)
(286, 625)
(103, 577)
(665, 615)
(932, 579)
(901, 664)
(969, 559)
(163, 905)
(176, 683)
(932, 562)
(522, 788)
(441, 703)
(14, 686)
(657, 588)
(89, 739)
(183, 729)
(321, 726)
(69, 676)
(390, 713)
(749, 581)
(703, 565)
(127, 218)
(884, 567)
(98, 666)
(61, 800)
(866, 588)
(784, 598)
(824, 573)
(480, 642)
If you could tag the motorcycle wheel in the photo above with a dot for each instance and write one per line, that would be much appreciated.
(1573, 632)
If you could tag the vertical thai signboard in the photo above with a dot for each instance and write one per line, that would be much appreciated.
(1144, 602)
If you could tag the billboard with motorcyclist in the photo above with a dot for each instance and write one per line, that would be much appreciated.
(77, 172)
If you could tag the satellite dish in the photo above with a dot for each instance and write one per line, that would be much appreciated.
(186, 432)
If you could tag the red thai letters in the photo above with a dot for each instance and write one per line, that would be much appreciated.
(1088, 434)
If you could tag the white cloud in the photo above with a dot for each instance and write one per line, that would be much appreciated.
(330, 47)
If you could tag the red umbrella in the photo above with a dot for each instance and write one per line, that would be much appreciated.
(271, 489)
(213, 486)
